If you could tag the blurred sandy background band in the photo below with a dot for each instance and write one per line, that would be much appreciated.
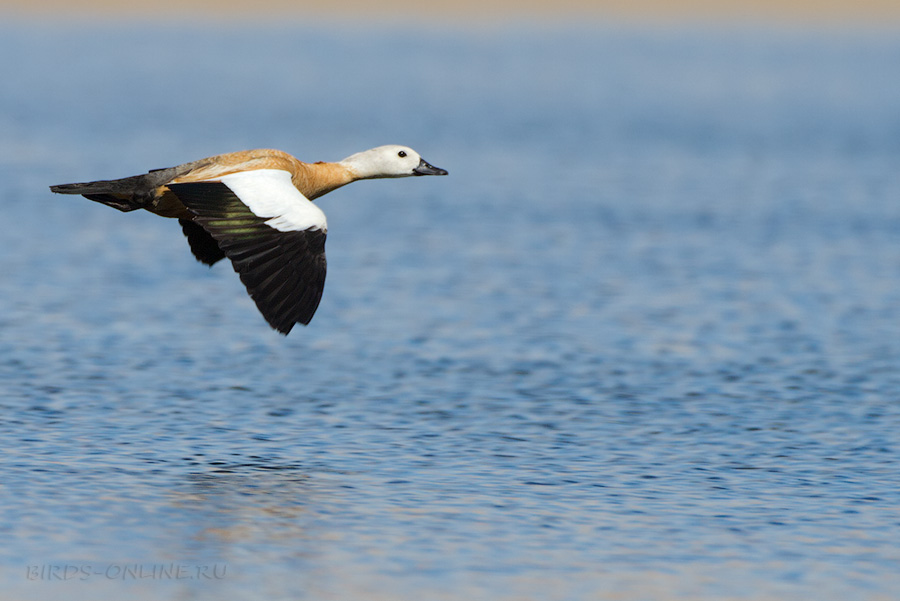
(883, 12)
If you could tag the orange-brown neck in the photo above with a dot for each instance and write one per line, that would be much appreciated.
(316, 179)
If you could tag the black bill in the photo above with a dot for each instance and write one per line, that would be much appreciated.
(426, 169)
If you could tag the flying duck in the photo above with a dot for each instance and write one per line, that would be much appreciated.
(255, 207)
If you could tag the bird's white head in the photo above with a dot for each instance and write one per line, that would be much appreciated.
(389, 161)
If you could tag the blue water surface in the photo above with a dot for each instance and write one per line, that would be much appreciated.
(642, 343)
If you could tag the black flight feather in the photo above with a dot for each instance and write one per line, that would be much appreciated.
(284, 272)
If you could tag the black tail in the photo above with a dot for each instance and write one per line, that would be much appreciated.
(127, 194)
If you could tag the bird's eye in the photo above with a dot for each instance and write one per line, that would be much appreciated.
(402, 153)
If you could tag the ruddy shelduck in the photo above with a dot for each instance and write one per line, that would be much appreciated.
(255, 207)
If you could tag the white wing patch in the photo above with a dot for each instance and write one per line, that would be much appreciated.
(270, 193)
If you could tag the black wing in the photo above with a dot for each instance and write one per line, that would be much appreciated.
(204, 246)
(284, 271)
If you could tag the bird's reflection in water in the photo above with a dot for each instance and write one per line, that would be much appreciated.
(257, 503)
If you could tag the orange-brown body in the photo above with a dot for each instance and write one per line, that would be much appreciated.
(312, 179)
